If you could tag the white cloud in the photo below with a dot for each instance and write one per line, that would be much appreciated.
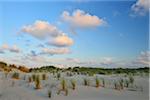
(143, 59)
(73, 60)
(42, 30)
(107, 61)
(81, 19)
(14, 48)
(61, 41)
(6, 47)
(141, 7)
(55, 51)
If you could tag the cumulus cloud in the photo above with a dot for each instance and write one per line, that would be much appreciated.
(55, 51)
(81, 19)
(14, 48)
(61, 41)
(141, 7)
(45, 31)
(6, 47)
(73, 60)
(42, 30)
(143, 59)
(107, 61)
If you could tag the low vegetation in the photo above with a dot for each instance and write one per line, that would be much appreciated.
(37, 82)
(97, 81)
(86, 82)
(73, 84)
(39, 78)
(15, 75)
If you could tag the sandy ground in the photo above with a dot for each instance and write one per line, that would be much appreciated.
(21, 90)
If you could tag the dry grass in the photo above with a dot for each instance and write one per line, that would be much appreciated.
(37, 82)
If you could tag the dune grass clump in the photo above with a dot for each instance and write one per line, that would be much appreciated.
(103, 82)
(97, 81)
(126, 83)
(58, 76)
(49, 93)
(63, 84)
(121, 83)
(86, 82)
(33, 77)
(64, 88)
(117, 85)
(37, 82)
(44, 76)
(131, 80)
(73, 84)
(15, 75)
(66, 92)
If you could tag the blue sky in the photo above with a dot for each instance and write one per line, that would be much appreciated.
(114, 34)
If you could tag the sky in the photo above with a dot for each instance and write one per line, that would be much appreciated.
(96, 33)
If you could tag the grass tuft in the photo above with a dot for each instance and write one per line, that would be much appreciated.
(15, 75)
(73, 84)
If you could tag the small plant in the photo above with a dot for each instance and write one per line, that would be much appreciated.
(103, 82)
(116, 86)
(58, 76)
(15, 75)
(66, 92)
(49, 93)
(63, 88)
(86, 82)
(121, 83)
(131, 80)
(126, 83)
(33, 77)
(44, 77)
(37, 82)
(97, 82)
(73, 84)
(63, 84)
